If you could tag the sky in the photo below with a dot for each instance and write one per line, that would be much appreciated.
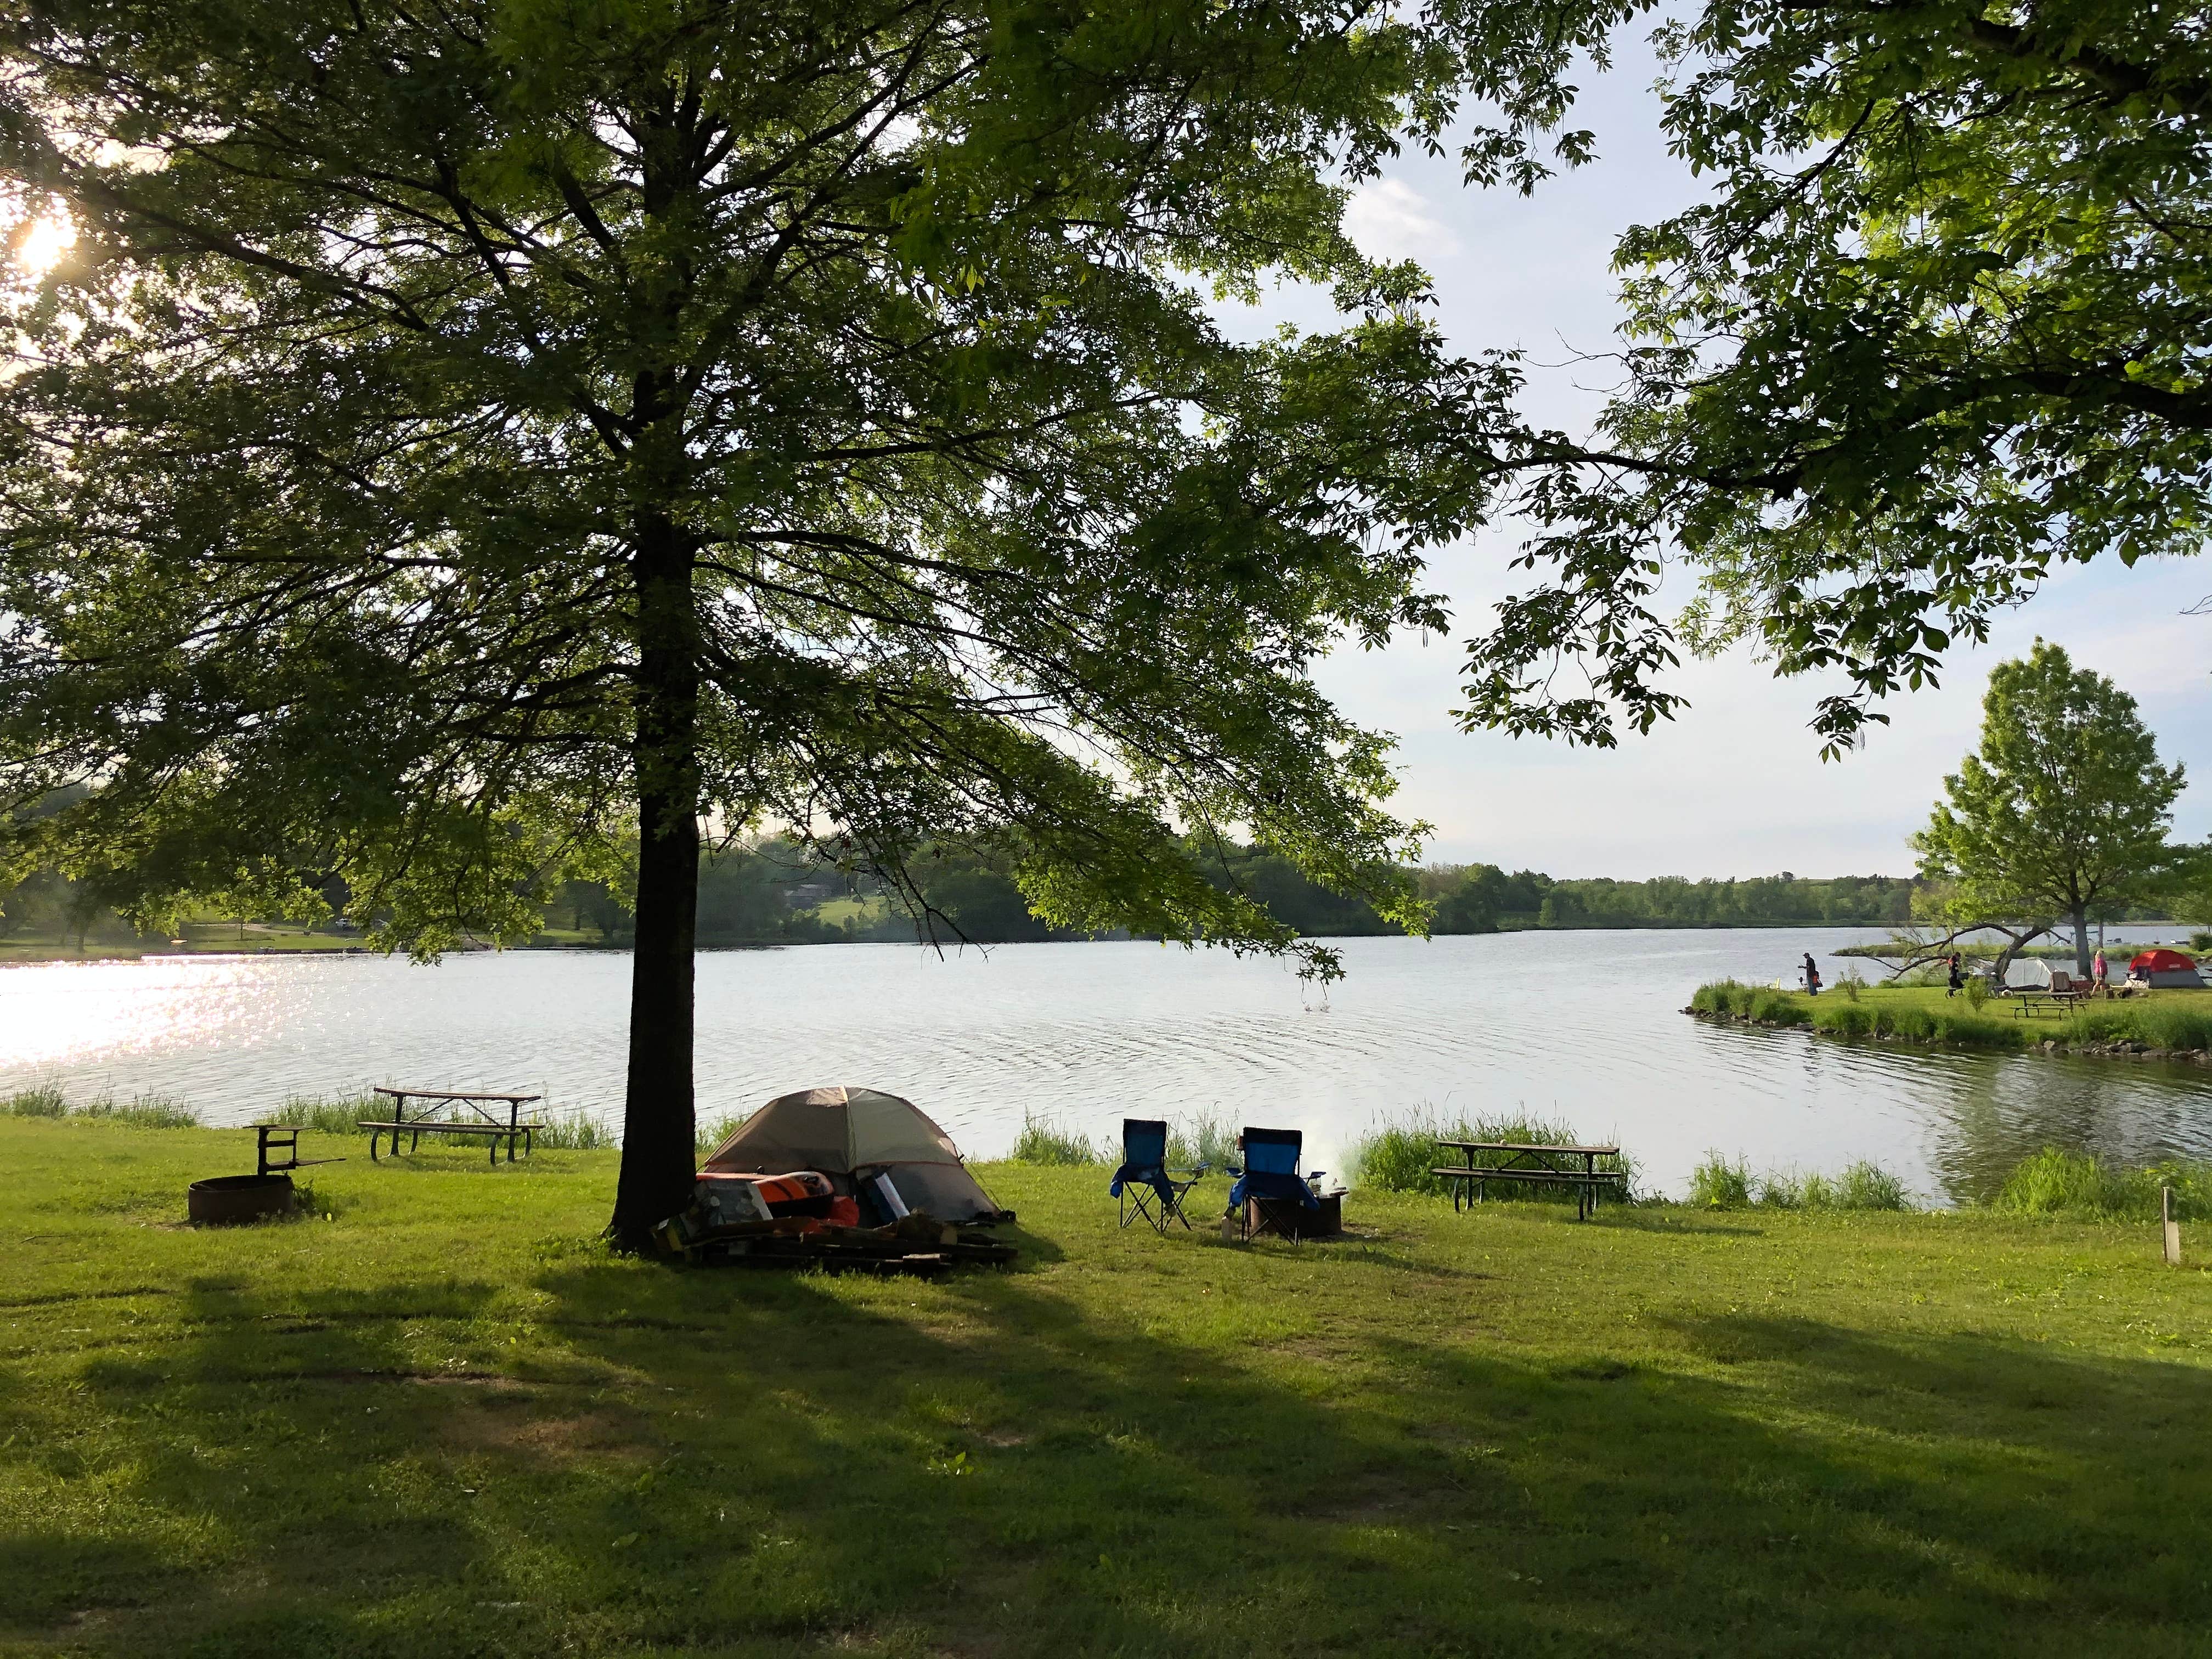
(1734, 785)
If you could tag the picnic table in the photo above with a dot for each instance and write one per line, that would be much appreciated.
(485, 1127)
(1511, 1160)
(2029, 1000)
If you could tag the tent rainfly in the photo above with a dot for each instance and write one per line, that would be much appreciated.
(854, 1136)
(2165, 968)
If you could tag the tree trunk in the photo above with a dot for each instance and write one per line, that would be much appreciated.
(2081, 940)
(657, 1159)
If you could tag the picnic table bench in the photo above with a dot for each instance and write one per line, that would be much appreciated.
(2029, 1000)
(486, 1126)
(1511, 1160)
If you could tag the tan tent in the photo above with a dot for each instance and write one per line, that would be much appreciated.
(853, 1136)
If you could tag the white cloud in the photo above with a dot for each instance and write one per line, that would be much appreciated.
(1390, 220)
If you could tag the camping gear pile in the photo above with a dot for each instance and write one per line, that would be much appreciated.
(851, 1178)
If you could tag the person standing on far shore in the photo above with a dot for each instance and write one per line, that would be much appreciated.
(2100, 973)
(1812, 975)
(1958, 978)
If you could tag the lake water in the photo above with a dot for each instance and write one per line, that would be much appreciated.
(1582, 1027)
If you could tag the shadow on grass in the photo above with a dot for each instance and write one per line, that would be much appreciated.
(742, 1463)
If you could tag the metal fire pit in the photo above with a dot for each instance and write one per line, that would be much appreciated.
(222, 1199)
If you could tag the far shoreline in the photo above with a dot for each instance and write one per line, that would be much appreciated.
(45, 951)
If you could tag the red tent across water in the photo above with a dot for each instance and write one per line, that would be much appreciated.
(2160, 962)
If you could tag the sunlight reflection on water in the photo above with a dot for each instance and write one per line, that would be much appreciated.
(1582, 1026)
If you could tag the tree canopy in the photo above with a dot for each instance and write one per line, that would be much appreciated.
(1940, 326)
(2064, 810)
(466, 441)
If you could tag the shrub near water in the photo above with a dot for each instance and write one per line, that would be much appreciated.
(43, 1101)
(1866, 1014)
(2062, 1183)
(1718, 1184)
(2159, 1024)
(334, 1115)
(1207, 1141)
(142, 1112)
(1966, 1021)
(1734, 1000)
(1042, 1142)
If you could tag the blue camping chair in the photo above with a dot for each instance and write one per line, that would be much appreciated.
(1271, 1174)
(1143, 1183)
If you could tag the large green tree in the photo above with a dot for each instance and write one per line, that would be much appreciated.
(466, 439)
(2064, 810)
(1941, 324)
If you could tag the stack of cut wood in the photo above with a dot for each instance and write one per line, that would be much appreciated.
(917, 1243)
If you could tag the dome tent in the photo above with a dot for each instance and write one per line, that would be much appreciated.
(2165, 968)
(852, 1135)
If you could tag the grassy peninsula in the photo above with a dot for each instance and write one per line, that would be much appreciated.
(438, 1418)
(2171, 1025)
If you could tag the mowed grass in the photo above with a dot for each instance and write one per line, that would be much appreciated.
(446, 1422)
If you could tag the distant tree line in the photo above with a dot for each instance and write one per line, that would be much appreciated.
(1484, 899)
(775, 892)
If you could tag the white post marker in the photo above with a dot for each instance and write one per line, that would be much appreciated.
(2172, 1227)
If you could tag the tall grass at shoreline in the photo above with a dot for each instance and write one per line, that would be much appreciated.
(1207, 1141)
(1717, 1183)
(2055, 1182)
(2155, 1025)
(141, 1112)
(1204, 1140)
(1043, 1141)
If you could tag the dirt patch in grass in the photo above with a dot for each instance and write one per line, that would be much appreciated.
(504, 1421)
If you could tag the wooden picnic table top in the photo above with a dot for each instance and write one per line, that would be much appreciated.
(1517, 1146)
(453, 1094)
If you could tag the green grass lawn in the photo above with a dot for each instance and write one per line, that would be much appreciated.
(445, 1421)
(857, 911)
